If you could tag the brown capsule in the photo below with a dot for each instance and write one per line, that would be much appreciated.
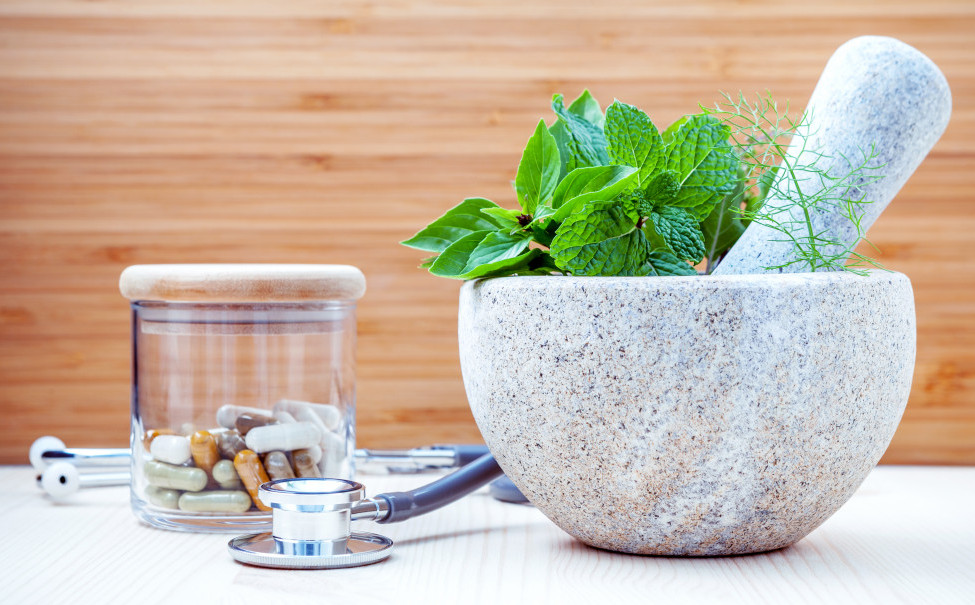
(230, 443)
(152, 434)
(277, 466)
(252, 474)
(304, 465)
(203, 447)
(245, 422)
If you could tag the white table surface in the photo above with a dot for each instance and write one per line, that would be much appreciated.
(907, 536)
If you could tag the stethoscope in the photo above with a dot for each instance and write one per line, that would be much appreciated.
(310, 517)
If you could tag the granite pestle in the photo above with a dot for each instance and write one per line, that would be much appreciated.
(875, 91)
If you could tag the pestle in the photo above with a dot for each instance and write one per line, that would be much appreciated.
(874, 91)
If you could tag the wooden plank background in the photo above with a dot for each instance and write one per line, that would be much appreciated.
(144, 131)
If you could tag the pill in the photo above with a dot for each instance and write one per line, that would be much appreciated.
(203, 447)
(152, 434)
(252, 474)
(174, 449)
(217, 501)
(314, 452)
(246, 422)
(329, 415)
(186, 478)
(304, 467)
(229, 443)
(333, 454)
(163, 497)
(303, 414)
(284, 417)
(225, 474)
(277, 466)
(227, 414)
(285, 437)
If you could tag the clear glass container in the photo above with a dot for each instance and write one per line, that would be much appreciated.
(241, 374)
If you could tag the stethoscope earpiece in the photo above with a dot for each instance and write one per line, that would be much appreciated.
(60, 480)
(41, 445)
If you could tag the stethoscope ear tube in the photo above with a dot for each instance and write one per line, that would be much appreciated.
(456, 485)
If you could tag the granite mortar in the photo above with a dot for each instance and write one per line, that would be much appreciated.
(693, 416)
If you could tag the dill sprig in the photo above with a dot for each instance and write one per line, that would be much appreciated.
(788, 191)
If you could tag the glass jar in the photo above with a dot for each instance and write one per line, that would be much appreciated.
(241, 374)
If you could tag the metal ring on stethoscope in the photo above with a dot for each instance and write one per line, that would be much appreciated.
(311, 528)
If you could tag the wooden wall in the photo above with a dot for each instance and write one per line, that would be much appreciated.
(144, 131)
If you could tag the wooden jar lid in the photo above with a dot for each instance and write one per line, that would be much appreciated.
(242, 283)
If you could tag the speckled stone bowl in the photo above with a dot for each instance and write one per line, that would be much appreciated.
(688, 415)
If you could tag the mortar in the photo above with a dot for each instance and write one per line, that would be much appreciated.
(687, 415)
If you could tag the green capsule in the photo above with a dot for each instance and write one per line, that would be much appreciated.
(163, 497)
(225, 474)
(186, 478)
(219, 501)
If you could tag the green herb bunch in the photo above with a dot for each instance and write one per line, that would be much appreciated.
(599, 195)
(609, 194)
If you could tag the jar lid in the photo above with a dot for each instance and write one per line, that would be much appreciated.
(242, 283)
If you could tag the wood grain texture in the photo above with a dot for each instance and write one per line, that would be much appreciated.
(326, 132)
(905, 537)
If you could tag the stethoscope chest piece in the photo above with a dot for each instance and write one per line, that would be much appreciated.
(310, 528)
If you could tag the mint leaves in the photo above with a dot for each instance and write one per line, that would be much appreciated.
(598, 195)
(601, 239)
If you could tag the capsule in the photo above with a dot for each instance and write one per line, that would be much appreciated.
(185, 478)
(277, 466)
(314, 452)
(203, 447)
(174, 449)
(151, 434)
(217, 501)
(285, 437)
(230, 443)
(163, 497)
(227, 414)
(251, 472)
(246, 422)
(327, 414)
(284, 417)
(304, 466)
(225, 475)
(333, 455)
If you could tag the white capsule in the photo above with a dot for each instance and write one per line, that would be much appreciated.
(329, 415)
(284, 437)
(227, 414)
(174, 449)
(333, 455)
(284, 417)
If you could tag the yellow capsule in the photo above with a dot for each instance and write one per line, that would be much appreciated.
(203, 447)
(305, 465)
(277, 466)
(252, 473)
